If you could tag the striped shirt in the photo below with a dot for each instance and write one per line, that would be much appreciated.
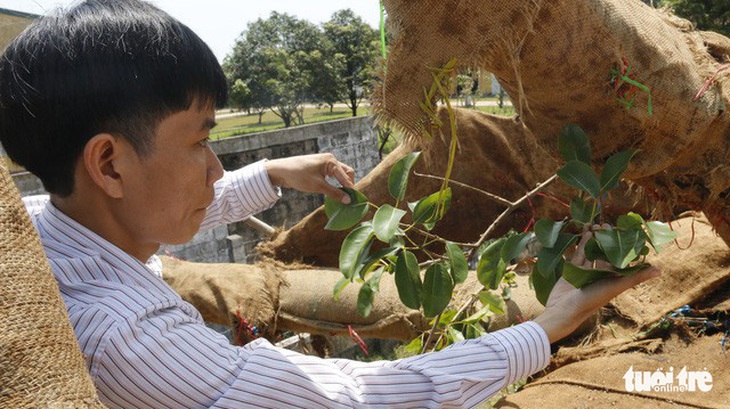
(147, 348)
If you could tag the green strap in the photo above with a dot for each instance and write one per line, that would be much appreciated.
(382, 29)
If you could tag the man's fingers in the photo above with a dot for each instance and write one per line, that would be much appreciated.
(579, 256)
(343, 173)
(334, 193)
(602, 292)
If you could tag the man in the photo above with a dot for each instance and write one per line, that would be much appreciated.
(110, 104)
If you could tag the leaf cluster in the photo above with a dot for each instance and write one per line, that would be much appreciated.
(616, 249)
(380, 245)
(360, 261)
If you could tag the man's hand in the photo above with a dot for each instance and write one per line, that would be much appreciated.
(568, 307)
(307, 174)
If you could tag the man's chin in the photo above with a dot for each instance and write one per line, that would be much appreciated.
(183, 237)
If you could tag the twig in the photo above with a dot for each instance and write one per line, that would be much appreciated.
(461, 310)
(506, 212)
(433, 236)
(430, 334)
(464, 185)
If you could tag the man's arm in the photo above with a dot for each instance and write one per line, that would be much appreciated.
(241, 194)
(255, 188)
(167, 360)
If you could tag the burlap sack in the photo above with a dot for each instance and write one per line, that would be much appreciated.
(599, 382)
(227, 294)
(555, 58)
(40, 361)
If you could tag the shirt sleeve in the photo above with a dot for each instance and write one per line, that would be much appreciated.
(241, 194)
(168, 360)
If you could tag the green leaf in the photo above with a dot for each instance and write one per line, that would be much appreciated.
(548, 259)
(474, 331)
(408, 280)
(621, 247)
(659, 233)
(437, 289)
(398, 177)
(495, 303)
(514, 246)
(615, 167)
(341, 216)
(573, 144)
(582, 212)
(542, 284)
(341, 284)
(369, 261)
(581, 277)
(365, 299)
(366, 296)
(580, 176)
(457, 262)
(385, 222)
(446, 317)
(629, 271)
(547, 231)
(354, 249)
(477, 316)
(630, 221)
(491, 267)
(414, 347)
(455, 335)
(593, 251)
(426, 209)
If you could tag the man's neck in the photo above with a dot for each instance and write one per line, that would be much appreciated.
(96, 216)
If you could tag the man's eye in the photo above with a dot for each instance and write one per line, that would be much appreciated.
(204, 142)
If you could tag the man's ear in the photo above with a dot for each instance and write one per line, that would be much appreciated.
(100, 153)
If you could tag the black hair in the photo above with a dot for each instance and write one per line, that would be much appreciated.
(103, 66)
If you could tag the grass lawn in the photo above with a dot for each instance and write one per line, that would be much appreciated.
(246, 124)
(507, 110)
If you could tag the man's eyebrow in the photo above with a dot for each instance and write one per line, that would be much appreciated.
(208, 124)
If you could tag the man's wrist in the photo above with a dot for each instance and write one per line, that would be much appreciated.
(273, 172)
(554, 326)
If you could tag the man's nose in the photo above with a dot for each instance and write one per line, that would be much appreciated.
(215, 169)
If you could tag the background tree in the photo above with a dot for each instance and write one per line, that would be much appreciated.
(356, 42)
(327, 84)
(240, 95)
(278, 58)
(707, 15)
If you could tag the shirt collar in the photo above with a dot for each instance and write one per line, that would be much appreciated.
(63, 229)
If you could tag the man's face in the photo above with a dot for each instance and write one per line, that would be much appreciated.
(168, 190)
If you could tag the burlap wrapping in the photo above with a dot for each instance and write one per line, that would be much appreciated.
(40, 361)
(311, 308)
(689, 275)
(555, 57)
(599, 383)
